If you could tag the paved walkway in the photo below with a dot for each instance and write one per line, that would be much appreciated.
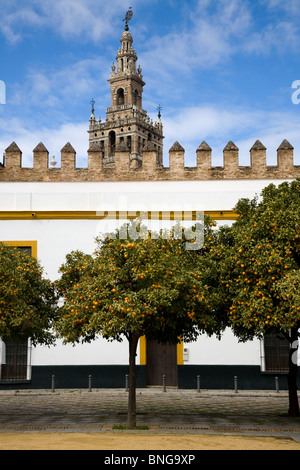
(174, 411)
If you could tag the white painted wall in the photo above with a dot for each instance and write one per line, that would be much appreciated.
(98, 352)
(150, 195)
(227, 351)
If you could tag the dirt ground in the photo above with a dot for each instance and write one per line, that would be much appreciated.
(127, 441)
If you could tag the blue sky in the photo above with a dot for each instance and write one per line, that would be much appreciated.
(221, 70)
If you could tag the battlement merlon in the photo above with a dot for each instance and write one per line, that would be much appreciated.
(118, 166)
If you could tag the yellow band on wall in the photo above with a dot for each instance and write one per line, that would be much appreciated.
(151, 215)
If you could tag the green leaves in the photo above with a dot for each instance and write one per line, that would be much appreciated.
(263, 262)
(151, 286)
(26, 299)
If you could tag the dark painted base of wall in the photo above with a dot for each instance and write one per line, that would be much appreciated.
(222, 378)
(110, 376)
(114, 376)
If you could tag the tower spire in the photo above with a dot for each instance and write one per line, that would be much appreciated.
(128, 16)
(159, 108)
(93, 106)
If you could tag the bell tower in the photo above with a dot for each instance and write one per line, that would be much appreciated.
(126, 83)
(127, 126)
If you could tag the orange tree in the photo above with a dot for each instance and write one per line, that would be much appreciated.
(141, 286)
(26, 299)
(261, 273)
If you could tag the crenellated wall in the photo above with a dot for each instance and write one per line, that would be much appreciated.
(120, 168)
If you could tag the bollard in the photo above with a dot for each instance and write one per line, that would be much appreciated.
(277, 384)
(53, 383)
(235, 384)
(198, 383)
(90, 383)
(164, 383)
(126, 382)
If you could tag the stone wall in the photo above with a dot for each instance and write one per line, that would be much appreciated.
(120, 170)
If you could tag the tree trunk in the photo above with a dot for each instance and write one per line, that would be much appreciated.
(131, 417)
(292, 375)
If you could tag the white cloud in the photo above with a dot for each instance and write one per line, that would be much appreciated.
(218, 32)
(55, 90)
(189, 126)
(289, 7)
(279, 36)
(84, 19)
(77, 18)
(210, 34)
(53, 138)
(243, 126)
(15, 16)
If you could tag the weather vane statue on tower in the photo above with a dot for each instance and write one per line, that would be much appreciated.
(128, 16)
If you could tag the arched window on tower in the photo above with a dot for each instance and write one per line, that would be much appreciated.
(111, 142)
(120, 97)
(135, 97)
